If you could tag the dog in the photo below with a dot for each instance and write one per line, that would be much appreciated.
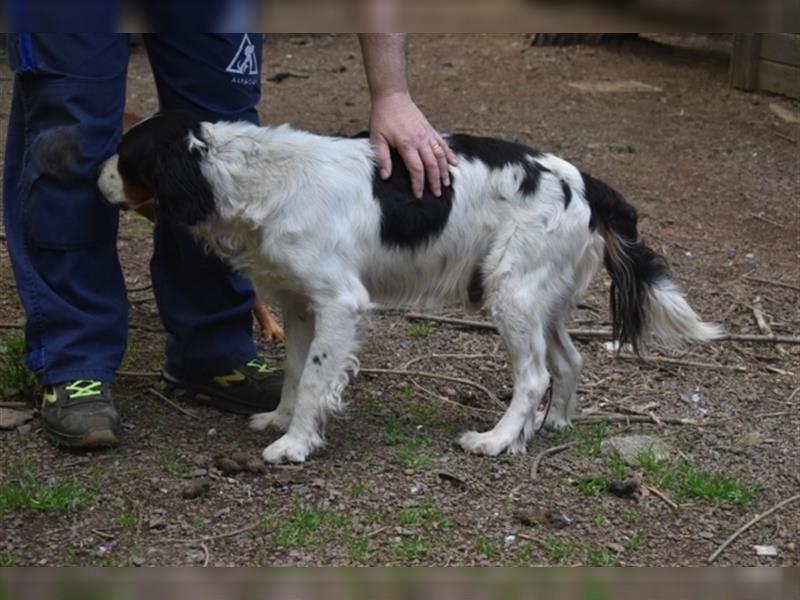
(311, 222)
(142, 202)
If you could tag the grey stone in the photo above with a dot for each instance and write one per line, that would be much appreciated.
(630, 447)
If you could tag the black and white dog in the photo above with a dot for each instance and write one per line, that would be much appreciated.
(309, 220)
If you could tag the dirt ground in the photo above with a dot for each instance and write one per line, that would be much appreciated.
(714, 173)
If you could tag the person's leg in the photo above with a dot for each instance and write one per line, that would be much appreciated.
(69, 92)
(205, 306)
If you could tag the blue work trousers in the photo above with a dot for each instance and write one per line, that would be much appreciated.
(61, 234)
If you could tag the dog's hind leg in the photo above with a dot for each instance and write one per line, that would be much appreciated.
(324, 376)
(519, 317)
(564, 363)
(299, 328)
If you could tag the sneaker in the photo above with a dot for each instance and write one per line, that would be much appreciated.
(251, 388)
(80, 414)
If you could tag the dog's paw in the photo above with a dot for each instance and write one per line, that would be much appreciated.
(287, 449)
(481, 443)
(277, 419)
(555, 422)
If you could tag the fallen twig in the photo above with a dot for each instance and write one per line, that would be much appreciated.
(662, 496)
(138, 373)
(781, 413)
(430, 356)
(11, 325)
(469, 382)
(435, 396)
(173, 404)
(766, 220)
(605, 334)
(749, 524)
(663, 360)
(785, 137)
(206, 555)
(14, 405)
(103, 534)
(772, 282)
(210, 538)
(543, 453)
(632, 419)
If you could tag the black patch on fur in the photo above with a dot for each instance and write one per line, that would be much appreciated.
(633, 269)
(497, 154)
(567, 193)
(324, 355)
(406, 221)
(316, 360)
(475, 290)
(154, 155)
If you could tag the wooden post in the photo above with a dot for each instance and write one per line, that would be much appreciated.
(744, 62)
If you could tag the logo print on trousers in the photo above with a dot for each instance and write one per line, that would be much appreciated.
(245, 61)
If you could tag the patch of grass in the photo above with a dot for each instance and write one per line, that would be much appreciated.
(358, 549)
(617, 468)
(412, 548)
(305, 527)
(636, 542)
(427, 515)
(622, 149)
(591, 486)
(716, 488)
(410, 448)
(23, 489)
(8, 560)
(630, 516)
(414, 459)
(125, 517)
(426, 414)
(590, 440)
(602, 558)
(689, 482)
(486, 548)
(155, 420)
(559, 550)
(173, 464)
(359, 489)
(15, 378)
(420, 329)
(598, 517)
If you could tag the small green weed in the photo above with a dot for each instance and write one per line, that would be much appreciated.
(591, 486)
(23, 489)
(486, 548)
(602, 558)
(125, 517)
(421, 329)
(559, 550)
(15, 378)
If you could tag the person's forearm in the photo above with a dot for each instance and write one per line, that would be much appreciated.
(384, 63)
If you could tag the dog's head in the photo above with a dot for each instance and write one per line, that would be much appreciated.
(158, 160)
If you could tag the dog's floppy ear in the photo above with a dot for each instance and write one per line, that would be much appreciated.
(183, 194)
(163, 155)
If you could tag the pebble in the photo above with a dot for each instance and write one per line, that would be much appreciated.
(706, 535)
(256, 465)
(195, 489)
(227, 466)
(615, 547)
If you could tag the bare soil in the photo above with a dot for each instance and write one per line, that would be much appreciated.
(714, 173)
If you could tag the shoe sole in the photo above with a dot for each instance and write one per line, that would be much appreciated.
(201, 395)
(97, 438)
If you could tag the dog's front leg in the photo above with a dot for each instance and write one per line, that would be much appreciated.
(299, 322)
(324, 377)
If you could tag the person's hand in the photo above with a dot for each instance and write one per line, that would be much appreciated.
(396, 122)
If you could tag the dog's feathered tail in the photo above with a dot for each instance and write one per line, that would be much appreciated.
(646, 305)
